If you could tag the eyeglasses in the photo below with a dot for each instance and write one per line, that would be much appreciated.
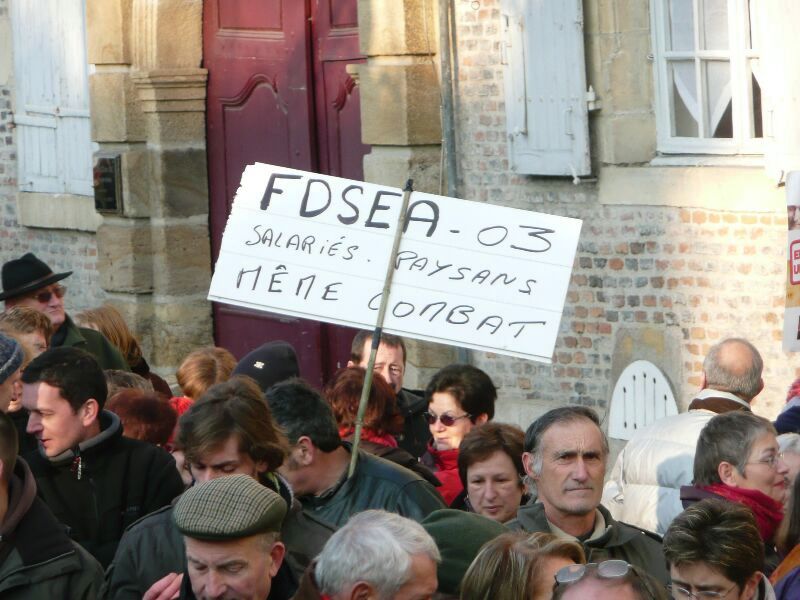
(447, 419)
(681, 593)
(44, 297)
(608, 569)
(771, 462)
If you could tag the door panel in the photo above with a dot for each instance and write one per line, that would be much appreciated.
(278, 93)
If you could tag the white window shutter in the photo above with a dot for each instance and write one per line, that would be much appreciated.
(52, 96)
(545, 87)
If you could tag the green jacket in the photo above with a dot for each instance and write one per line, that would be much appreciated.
(94, 342)
(38, 561)
(619, 541)
(379, 484)
(104, 485)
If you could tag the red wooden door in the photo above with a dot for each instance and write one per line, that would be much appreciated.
(278, 93)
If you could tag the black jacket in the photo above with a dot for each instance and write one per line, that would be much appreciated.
(416, 433)
(37, 558)
(120, 481)
(153, 547)
(378, 484)
(620, 541)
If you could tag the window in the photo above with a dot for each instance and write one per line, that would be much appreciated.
(545, 87)
(52, 96)
(708, 98)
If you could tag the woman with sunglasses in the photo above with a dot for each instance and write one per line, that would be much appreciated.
(459, 398)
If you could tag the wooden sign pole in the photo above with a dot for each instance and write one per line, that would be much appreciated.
(376, 334)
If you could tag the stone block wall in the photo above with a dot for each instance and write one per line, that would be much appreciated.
(658, 282)
(62, 250)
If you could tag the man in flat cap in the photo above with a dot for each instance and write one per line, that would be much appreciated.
(28, 281)
(229, 430)
(231, 528)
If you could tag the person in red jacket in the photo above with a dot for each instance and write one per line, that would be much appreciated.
(459, 397)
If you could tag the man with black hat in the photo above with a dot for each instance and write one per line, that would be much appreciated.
(231, 528)
(27, 281)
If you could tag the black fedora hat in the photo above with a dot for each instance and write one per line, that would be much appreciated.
(27, 274)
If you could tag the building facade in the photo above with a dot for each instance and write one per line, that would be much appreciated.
(673, 160)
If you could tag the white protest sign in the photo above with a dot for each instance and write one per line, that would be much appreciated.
(469, 274)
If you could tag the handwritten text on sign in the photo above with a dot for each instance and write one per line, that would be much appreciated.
(470, 274)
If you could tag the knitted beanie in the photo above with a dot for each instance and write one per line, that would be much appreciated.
(788, 421)
(10, 357)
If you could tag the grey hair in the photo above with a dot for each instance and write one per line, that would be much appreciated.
(376, 547)
(563, 414)
(789, 442)
(721, 376)
(727, 437)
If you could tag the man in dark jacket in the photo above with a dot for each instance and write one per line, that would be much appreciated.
(37, 558)
(565, 456)
(318, 464)
(27, 281)
(390, 362)
(230, 430)
(95, 481)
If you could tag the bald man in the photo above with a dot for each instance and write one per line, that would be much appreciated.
(644, 486)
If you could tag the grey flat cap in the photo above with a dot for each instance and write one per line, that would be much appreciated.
(230, 507)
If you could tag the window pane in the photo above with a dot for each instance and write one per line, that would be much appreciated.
(756, 127)
(685, 107)
(718, 105)
(681, 25)
(715, 24)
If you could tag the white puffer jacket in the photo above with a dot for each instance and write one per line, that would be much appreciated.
(644, 486)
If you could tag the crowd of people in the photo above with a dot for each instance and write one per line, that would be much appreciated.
(237, 484)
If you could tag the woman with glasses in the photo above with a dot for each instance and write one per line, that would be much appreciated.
(459, 398)
(738, 459)
(519, 565)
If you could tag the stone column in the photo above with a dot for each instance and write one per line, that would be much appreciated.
(399, 89)
(148, 105)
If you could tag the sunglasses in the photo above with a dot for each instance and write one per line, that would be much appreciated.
(447, 419)
(44, 297)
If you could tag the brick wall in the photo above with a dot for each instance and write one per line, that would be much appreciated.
(696, 275)
(62, 250)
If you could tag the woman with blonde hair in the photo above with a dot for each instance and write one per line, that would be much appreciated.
(109, 321)
(203, 368)
(519, 565)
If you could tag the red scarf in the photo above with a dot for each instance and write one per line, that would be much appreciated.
(768, 512)
(369, 436)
